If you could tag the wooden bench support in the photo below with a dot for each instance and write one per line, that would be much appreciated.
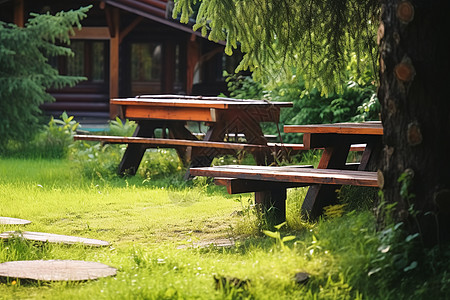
(270, 183)
(272, 205)
(196, 152)
(193, 152)
(240, 186)
(270, 196)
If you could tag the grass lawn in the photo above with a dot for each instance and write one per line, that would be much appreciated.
(156, 229)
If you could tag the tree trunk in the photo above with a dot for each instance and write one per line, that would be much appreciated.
(414, 41)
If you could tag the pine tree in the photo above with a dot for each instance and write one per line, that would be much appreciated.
(25, 72)
(314, 37)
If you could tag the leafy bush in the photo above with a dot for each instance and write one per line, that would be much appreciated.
(52, 141)
(97, 160)
(357, 102)
(57, 136)
(118, 127)
(242, 86)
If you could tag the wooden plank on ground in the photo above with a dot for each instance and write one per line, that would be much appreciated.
(56, 270)
(310, 176)
(13, 221)
(52, 238)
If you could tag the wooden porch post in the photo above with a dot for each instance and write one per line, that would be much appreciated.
(193, 56)
(19, 11)
(114, 60)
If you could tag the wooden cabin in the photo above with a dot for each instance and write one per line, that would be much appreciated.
(127, 48)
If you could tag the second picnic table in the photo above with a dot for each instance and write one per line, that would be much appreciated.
(222, 116)
(336, 139)
(270, 183)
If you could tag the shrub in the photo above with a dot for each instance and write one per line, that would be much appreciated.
(52, 141)
(357, 101)
(118, 127)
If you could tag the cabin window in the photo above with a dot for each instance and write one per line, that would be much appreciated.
(88, 60)
(75, 64)
(145, 61)
(146, 68)
(98, 66)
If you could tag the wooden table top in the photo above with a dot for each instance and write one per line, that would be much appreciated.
(196, 101)
(366, 128)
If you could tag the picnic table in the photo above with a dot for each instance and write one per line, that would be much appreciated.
(336, 140)
(170, 113)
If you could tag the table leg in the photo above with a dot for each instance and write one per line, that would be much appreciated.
(254, 135)
(178, 130)
(203, 157)
(371, 154)
(272, 205)
(321, 195)
(134, 152)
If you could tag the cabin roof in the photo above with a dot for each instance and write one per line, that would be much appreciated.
(157, 10)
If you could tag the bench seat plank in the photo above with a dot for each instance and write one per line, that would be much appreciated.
(309, 176)
(169, 142)
(196, 143)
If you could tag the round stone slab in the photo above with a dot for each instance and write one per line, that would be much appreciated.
(13, 221)
(53, 238)
(56, 270)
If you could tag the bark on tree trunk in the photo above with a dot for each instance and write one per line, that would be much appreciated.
(414, 41)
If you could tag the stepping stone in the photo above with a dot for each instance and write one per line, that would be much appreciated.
(52, 238)
(56, 270)
(13, 221)
(204, 244)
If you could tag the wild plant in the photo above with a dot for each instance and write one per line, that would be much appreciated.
(280, 241)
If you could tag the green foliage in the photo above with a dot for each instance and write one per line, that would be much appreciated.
(97, 161)
(26, 74)
(277, 236)
(243, 87)
(57, 136)
(395, 254)
(121, 128)
(51, 141)
(356, 103)
(317, 37)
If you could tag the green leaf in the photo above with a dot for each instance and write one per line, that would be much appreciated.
(374, 271)
(275, 235)
(411, 237)
(288, 238)
(412, 266)
(280, 225)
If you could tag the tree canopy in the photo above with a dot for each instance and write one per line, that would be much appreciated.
(316, 38)
(26, 74)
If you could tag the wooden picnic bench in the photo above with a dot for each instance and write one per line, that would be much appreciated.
(270, 183)
(222, 147)
(171, 113)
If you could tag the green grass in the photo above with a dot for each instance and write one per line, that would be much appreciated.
(154, 224)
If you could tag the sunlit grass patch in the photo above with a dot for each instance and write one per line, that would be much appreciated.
(163, 233)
